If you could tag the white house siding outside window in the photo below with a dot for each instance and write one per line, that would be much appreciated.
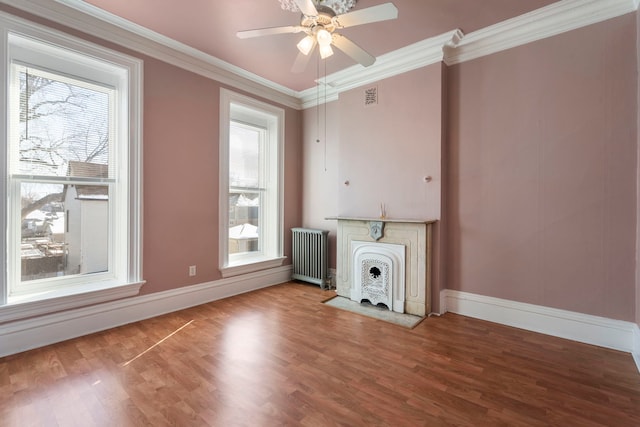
(251, 152)
(71, 165)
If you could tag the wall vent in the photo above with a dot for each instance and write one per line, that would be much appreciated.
(371, 96)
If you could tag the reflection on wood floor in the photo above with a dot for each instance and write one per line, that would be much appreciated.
(279, 357)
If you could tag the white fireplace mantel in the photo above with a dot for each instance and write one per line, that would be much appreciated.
(385, 219)
(414, 234)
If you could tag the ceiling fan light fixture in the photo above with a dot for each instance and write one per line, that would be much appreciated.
(306, 45)
(324, 37)
(319, 21)
(325, 51)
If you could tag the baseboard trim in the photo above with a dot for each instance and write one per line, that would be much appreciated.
(636, 346)
(28, 334)
(595, 330)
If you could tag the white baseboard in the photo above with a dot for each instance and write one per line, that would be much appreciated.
(600, 331)
(636, 346)
(28, 334)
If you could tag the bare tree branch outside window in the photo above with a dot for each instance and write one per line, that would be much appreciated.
(59, 122)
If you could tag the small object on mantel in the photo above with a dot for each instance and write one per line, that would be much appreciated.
(376, 230)
(383, 211)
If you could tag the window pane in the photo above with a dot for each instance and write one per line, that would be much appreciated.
(244, 156)
(244, 180)
(64, 230)
(244, 216)
(61, 120)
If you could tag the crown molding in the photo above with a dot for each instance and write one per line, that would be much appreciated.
(548, 21)
(421, 54)
(417, 55)
(89, 19)
(318, 95)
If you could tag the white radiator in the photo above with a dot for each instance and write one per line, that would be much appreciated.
(310, 255)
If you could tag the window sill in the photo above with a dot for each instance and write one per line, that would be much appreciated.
(251, 265)
(75, 297)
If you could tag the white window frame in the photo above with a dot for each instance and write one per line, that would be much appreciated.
(237, 107)
(50, 49)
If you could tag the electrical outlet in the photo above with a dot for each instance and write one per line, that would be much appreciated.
(192, 270)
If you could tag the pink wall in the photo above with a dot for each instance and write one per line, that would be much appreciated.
(180, 176)
(542, 172)
(320, 145)
(293, 176)
(386, 150)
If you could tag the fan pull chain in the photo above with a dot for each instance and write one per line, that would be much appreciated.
(318, 100)
(325, 115)
(324, 107)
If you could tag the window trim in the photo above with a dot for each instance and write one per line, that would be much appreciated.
(90, 293)
(248, 264)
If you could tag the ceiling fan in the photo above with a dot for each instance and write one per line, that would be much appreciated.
(319, 23)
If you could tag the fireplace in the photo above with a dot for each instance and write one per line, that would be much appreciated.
(378, 274)
(413, 236)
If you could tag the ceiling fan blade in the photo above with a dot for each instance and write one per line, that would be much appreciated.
(269, 31)
(353, 50)
(307, 7)
(378, 13)
(302, 61)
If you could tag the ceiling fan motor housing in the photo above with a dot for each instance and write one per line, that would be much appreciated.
(323, 19)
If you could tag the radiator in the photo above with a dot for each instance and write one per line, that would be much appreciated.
(310, 255)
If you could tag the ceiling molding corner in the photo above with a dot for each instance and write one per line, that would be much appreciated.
(421, 54)
(321, 94)
(548, 21)
(414, 56)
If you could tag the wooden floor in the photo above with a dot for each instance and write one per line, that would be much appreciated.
(280, 357)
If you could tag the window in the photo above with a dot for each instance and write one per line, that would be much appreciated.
(251, 145)
(71, 166)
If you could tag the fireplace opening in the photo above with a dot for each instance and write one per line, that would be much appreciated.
(378, 274)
